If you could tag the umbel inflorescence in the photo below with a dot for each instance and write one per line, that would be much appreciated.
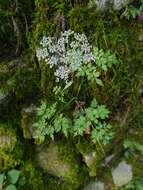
(65, 55)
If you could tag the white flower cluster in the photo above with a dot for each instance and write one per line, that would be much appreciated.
(66, 54)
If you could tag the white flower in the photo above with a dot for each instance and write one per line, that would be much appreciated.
(42, 53)
(65, 55)
(44, 41)
(62, 73)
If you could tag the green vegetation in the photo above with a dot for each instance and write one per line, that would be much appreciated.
(71, 77)
(12, 179)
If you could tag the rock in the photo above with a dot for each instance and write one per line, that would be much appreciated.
(122, 174)
(28, 117)
(90, 160)
(95, 186)
(50, 159)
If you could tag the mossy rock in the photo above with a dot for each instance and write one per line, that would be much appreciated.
(91, 157)
(28, 116)
(60, 163)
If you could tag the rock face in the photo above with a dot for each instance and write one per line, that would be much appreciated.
(50, 160)
(122, 174)
(95, 186)
(107, 4)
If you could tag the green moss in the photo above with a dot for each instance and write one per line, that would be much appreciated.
(25, 81)
(90, 155)
(28, 116)
(60, 160)
(10, 149)
(34, 177)
(8, 138)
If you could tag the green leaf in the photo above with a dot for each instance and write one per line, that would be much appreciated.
(99, 82)
(94, 103)
(13, 176)
(22, 181)
(2, 176)
(11, 187)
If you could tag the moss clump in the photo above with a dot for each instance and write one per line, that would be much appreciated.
(8, 138)
(34, 178)
(8, 144)
(90, 155)
(58, 160)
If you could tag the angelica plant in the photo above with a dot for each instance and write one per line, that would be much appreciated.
(75, 65)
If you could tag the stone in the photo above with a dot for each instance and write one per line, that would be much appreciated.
(95, 186)
(122, 174)
(90, 160)
(28, 118)
(64, 167)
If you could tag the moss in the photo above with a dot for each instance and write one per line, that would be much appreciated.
(60, 160)
(68, 153)
(25, 80)
(28, 116)
(7, 138)
(10, 149)
(34, 177)
(90, 155)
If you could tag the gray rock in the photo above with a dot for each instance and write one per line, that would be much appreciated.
(95, 186)
(91, 160)
(122, 174)
(50, 160)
